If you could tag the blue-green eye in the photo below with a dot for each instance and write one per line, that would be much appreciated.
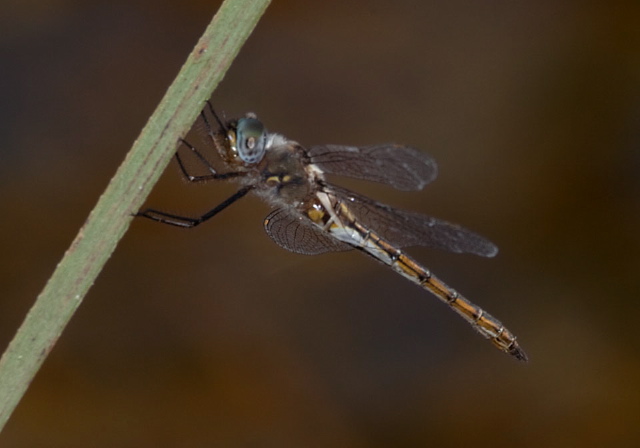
(251, 138)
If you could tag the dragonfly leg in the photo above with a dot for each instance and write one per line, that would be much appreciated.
(215, 115)
(213, 174)
(188, 222)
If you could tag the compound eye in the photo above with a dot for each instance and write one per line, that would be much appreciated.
(251, 139)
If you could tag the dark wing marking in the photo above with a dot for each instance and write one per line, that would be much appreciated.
(294, 233)
(401, 167)
(404, 229)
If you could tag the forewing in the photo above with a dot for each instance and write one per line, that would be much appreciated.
(292, 232)
(402, 167)
(404, 229)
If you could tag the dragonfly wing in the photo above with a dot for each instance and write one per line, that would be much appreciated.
(294, 233)
(402, 167)
(404, 229)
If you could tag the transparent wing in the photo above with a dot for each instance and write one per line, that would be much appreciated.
(401, 167)
(404, 229)
(292, 232)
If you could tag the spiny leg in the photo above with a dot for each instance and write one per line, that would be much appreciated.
(214, 175)
(188, 222)
(215, 115)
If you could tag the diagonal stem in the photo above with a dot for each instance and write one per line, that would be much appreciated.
(107, 223)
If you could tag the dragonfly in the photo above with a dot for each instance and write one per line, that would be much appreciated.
(313, 216)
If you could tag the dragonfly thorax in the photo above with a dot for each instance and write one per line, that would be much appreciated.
(284, 179)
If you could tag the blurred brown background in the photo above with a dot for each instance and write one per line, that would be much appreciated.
(217, 337)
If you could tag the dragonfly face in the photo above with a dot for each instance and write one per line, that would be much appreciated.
(312, 216)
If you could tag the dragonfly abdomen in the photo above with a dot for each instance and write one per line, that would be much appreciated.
(483, 322)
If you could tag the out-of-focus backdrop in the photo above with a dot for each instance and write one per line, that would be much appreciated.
(217, 337)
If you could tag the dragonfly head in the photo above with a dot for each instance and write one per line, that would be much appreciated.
(248, 140)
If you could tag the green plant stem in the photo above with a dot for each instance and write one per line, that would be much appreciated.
(126, 192)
